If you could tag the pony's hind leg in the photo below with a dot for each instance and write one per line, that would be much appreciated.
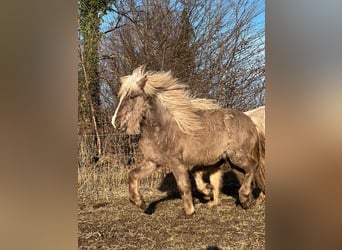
(216, 182)
(184, 186)
(203, 187)
(260, 198)
(143, 170)
(245, 191)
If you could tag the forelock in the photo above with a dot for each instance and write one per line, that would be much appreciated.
(129, 82)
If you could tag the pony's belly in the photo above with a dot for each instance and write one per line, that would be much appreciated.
(204, 158)
(207, 153)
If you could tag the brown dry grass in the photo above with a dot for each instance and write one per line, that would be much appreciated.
(108, 221)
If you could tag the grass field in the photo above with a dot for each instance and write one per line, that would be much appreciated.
(107, 220)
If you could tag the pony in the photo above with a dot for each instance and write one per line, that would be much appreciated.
(257, 115)
(180, 131)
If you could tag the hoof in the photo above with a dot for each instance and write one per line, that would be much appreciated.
(188, 214)
(212, 204)
(141, 203)
(247, 202)
(190, 211)
(245, 205)
(143, 206)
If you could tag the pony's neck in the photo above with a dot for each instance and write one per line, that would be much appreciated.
(157, 116)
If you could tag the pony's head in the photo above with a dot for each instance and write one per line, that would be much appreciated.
(130, 110)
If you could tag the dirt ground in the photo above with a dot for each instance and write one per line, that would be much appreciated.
(117, 224)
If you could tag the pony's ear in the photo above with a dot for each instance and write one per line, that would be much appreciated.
(141, 83)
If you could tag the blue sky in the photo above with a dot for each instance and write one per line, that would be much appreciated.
(259, 20)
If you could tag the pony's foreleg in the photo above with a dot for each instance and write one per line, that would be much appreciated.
(184, 186)
(143, 170)
(245, 191)
(216, 182)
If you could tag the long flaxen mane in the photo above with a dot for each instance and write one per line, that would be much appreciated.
(172, 95)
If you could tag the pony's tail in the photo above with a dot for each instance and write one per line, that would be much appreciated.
(260, 173)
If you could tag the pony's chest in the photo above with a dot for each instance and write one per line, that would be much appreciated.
(155, 148)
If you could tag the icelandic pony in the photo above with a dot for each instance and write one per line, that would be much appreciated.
(257, 115)
(180, 131)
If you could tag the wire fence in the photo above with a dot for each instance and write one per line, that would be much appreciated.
(102, 171)
(107, 147)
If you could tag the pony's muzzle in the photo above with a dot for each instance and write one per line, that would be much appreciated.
(117, 125)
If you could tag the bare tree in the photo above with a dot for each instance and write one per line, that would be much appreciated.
(214, 46)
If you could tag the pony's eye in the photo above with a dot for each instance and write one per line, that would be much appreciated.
(132, 97)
